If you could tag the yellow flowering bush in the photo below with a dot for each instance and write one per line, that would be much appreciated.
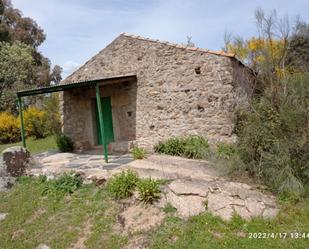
(35, 122)
(9, 128)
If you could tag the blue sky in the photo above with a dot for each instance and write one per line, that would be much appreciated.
(77, 29)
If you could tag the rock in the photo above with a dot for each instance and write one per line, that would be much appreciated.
(255, 207)
(186, 205)
(6, 182)
(218, 201)
(189, 187)
(225, 213)
(42, 246)
(270, 213)
(100, 181)
(242, 212)
(14, 161)
(2, 216)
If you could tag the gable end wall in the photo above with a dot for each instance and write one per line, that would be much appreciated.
(172, 99)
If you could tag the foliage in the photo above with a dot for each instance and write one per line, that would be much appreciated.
(15, 27)
(138, 153)
(64, 143)
(16, 72)
(196, 147)
(273, 133)
(190, 146)
(21, 64)
(56, 74)
(65, 184)
(273, 140)
(148, 190)
(169, 208)
(225, 151)
(56, 219)
(35, 122)
(51, 107)
(122, 185)
(9, 128)
(298, 51)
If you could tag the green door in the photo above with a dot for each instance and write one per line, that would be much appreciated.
(107, 120)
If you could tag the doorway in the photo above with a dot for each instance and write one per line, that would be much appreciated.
(107, 120)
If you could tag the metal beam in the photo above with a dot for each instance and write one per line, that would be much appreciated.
(23, 139)
(98, 100)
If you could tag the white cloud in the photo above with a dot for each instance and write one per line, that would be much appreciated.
(69, 67)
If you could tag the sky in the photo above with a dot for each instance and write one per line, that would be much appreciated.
(78, 29)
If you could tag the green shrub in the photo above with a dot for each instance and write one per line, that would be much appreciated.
(35, 122)
(65, 184)
(225, 151)
(196, 147)
(169, 208)
(122, 185)
(138, 153)
(191, 146)
(273, 138)
(148, 190)
(9, 128)
(64, 143)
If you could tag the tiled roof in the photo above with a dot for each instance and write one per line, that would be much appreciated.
(181, 46)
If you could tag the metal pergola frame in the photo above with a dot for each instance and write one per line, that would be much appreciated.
(65, 87)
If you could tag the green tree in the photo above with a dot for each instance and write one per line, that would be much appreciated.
(16, 72)
(298, 52)
(15, 27)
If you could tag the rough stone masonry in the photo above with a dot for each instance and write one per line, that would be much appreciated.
(178, 91)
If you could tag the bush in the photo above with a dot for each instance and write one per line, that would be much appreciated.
(9, 128)
(196, 147)
(191, 146)
(138, 153)
(64, 143)
(173, 146)
(148, 190)
(225, 151)
(65, 184)
(273, 138)
(35, 122)
(122, 185)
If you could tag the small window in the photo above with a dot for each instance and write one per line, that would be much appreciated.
(129, 114)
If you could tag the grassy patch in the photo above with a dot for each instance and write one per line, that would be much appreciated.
(35, 218)
(87, 213)
(35, 145)
(206, 231)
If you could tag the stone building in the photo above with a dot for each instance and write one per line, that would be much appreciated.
(153, 90)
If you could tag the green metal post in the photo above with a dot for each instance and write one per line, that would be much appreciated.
(98, 98)
(22, 122)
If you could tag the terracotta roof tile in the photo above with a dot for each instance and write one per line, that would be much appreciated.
(181, 46)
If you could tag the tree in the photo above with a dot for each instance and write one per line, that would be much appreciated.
(16, 72)
(15, 27)
(298, 52)
(22, 65)
(56, 74)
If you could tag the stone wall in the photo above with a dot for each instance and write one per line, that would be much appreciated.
(178, 92)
